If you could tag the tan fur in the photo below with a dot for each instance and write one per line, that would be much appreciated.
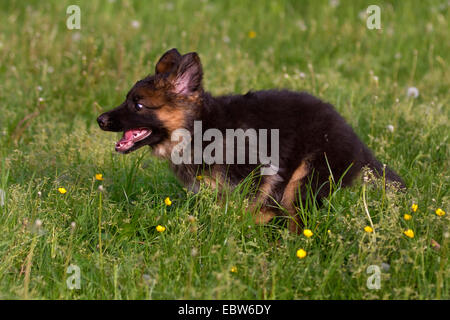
(263, 215)
(172, 117)
(289, 195)
(214, 178)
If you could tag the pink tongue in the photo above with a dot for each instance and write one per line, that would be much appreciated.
(129, 135)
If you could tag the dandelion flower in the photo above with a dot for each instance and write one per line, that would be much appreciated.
(301, 25)
(234, 269)
(407, 216)
(409, 233)
(194, 252)
(414, 207)
(99, 177)
(334, 3)
(38, 223)
(412, 92)
(440, 212)
(160, 228)
(368, 229)
(301, 253)
(308, 233)
(62, 190)
(252, 34)
(390, 128)
(199, 177)
(135, 24)
(167, 201)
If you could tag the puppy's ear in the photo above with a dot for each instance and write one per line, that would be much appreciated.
(188, 76)
(168, 61)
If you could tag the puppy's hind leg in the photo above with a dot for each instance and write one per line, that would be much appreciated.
(289, 196)
(262, 214)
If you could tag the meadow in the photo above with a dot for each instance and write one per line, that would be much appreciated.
(68, 201)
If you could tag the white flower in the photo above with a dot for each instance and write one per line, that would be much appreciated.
(76, 36)
(135, 24)
(412, 92)
(169, 6)
(334, 3)
(362, 15)
(301, 25)
(38, 223)
(390, 127)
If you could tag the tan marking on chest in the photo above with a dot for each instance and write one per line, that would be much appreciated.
(164, 149)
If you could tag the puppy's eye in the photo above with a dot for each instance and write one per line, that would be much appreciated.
(138, 106)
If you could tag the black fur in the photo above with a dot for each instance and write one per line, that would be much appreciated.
(309, 128)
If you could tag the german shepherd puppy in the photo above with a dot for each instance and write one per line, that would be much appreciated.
(314, 140)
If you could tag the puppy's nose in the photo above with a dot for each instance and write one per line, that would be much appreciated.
(102, 121)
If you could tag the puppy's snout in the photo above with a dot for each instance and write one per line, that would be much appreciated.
(103, 121)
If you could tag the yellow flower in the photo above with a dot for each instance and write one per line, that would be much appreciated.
(407, 216)
(167, 201)
(301, 253)
(62, 190)
(252, 34)
(440, 212)
(199, 177)
(160, 228)
(99, 177)
(409, 233)
(234, 269)
(368, 229)
(308, 233)
(414, 207)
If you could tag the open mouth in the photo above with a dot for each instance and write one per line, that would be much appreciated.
(131, 137)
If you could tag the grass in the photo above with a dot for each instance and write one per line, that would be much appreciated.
(55, 81)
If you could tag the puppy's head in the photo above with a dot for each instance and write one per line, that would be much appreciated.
(158, 104)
